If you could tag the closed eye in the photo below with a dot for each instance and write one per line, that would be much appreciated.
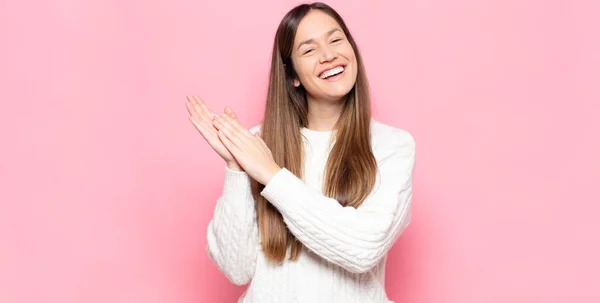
(308, 51)
(336, 40)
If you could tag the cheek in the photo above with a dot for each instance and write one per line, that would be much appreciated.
(352, 59)
(349, 53)
(303, 73)
(304, 69)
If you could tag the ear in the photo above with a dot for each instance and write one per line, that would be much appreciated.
(296, 82)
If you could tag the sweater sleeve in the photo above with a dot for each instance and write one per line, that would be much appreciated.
(354, 238)
(233, 231)
(232, 234)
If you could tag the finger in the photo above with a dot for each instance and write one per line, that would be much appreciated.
(226, 122)
(226, 128)
(235, 125)
(204, 108)
(230, 113)
(194, 109)
(233, 149)
(194, 105)
(194, 113)
(198, 125)
(190, 107)
(207, 135)
(201, 109)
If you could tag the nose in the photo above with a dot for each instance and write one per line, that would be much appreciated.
(328, 54)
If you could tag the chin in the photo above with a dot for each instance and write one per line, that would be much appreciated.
(336, 91)
(339, 92)
(332, 92)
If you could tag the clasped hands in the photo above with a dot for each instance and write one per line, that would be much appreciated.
(232, 141)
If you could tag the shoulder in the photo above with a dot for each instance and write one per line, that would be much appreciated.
(386, 138)
(394, 151)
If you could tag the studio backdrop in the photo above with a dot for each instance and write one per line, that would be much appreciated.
(106, 188)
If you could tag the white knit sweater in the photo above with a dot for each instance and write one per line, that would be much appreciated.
(345, 249)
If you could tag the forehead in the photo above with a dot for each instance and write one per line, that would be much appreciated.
(314, 25)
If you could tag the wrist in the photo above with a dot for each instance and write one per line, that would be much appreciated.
(271, 173)
(233, 165)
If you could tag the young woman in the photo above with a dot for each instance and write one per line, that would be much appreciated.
(316, 195)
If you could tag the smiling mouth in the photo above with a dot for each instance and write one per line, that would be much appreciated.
(332, 72)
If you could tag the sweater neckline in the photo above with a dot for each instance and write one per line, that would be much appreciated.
(317, 134)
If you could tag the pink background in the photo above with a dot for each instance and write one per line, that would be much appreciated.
(106, 189)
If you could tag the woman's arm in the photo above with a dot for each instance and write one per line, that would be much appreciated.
(232, 233)
(355, 239)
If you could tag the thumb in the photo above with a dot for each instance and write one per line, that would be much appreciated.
(230, 113)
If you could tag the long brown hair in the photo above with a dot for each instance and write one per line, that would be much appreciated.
(351, 168)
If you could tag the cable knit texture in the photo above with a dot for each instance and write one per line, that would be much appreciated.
(345, 248)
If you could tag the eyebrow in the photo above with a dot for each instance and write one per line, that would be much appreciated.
(312, 40)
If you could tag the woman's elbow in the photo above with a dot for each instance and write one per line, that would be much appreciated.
(361, 266)
(237, 268)
(238, 278)
(371, 257)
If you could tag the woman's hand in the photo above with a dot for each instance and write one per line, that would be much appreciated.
(249, 150)
(202, 117)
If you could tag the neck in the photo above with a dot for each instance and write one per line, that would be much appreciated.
(323, 114)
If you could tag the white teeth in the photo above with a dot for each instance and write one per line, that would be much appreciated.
(331, 72)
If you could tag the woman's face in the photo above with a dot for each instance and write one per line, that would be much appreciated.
(323, 58)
